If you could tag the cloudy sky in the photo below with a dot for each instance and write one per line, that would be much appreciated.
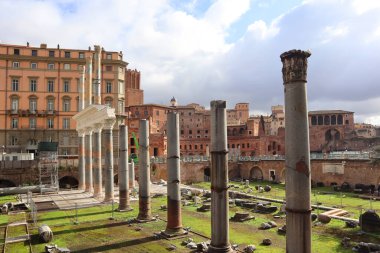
(200, 50)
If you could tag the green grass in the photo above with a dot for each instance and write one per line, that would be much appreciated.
(97, 233)
(14, 231)
(19, 247)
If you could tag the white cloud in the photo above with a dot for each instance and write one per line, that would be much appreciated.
(333, 32)
(363, 6)
(260, 30)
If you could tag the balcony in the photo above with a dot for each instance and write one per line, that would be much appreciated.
(13, 112)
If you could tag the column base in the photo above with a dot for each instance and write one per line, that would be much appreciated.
(127, 209)
(213, 249)
(145, 220)
(170, 233)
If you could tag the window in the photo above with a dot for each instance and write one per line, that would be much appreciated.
(190, 132)
(32, 105)
(195, 146)
(16, 64)
(66, 66)
(157, 123)
(81, 55)
(50, 123)
(327, 120)
(320, 120)
(108, 68)
(340, 119)
(182, 132)
(14, 123)
(50, 105)
(67, 54)
(34, 52)
(157, 113)
(16, 51)
(50, 87)
(14, 84)
(66, 105)
(33, 65)
(109, 87)
(51, 66)
(14, 104)
(313, 120)
(14, 140)
(66, 123)
(333, 120)
(66, 86)
(32, 122)
(51, 53)
(109, 56)
(33, 85)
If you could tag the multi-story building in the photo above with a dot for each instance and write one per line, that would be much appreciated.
(365, 130)
(39, 93)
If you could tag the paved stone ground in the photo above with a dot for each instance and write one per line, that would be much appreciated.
(68, 199)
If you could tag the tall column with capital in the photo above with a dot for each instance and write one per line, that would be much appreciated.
(123, 169)
(97, 159)
(145, 213)
(174, 224)
(219, 179)
(97, 79)
(108, 163)
(88, 89)
(297, 151)
(81, 160)
(88, 160)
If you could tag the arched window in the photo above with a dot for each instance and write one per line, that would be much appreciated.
(340, 120)
(327, 120)
(333, 120)
(313, 120)
(320, 120)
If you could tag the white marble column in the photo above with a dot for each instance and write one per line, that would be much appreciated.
(97, 159)
(108, 163)
(81, 160)
(88, 160)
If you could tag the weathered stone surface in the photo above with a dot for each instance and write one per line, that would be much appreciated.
(242, 216)
(267, 242)
(282, 230)
(324, 218)
(267, 188)
(265, 225)
(206, 207)
(314, 216)
(250, 248)
(370, 221)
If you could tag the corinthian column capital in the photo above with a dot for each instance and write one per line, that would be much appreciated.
(294, 65)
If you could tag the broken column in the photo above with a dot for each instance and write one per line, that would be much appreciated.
(123, 169)
(88, 160)
(97, 160)
(81, 160)
(297, 160)
(144, 173)
(132, 175)
(174, 224)
(108, 162)
(97, 68)
(219, 179)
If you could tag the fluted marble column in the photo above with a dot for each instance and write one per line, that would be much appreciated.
(98, 68)
(97, 159)
(132, 183)
(81, 160)
(88, 89)
(145, 213)
(88, 160)
(297, 151)
(108, 163)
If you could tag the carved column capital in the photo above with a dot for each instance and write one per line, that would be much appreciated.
(108, 123)
(98, 127)
(81, 132)
(294, 67)
(88, 130)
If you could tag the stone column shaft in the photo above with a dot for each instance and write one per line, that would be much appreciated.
(108, 163)
(88, 160)
(88, 90)
(97, 161)
(123, 169)
(81, 161)
(174, 217)
(297, 151)
(144, 173)
(98, 68)
(219, 179)
(132, 175)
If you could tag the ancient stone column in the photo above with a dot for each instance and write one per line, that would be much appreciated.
(98, 68)
(97, 159)
(174, 217)
(144, 173)
(88, 89)
(108, 162)
(88, 160)
(297, 160)
(132, 175)
(123, 169)
(81, 160)
(219, 179)
(82, 82)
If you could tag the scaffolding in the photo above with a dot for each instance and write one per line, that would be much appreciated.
(48, 166)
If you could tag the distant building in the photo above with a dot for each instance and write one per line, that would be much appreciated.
(365, 130)
(39, 94)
